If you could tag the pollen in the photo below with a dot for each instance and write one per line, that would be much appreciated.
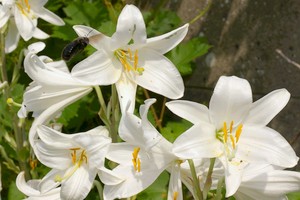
(175, 195)
(24, 7)
(78, 157)
(229, 133)
(135, 160)
(129, 60)
(82, 156)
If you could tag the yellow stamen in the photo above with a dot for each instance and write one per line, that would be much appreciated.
(135, 160)
(238, 132)
(175, 195)
(231, 125)
(27, 4)
(76, 162)
(33, 163)
(232, 141)
(225, 132)
(130, 54)
(136, 58)
(73, 155)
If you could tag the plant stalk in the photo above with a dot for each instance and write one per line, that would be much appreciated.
(196, 186)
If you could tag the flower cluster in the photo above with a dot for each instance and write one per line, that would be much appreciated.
(21, 17)
(229, 142)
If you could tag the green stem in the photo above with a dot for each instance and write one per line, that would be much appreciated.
(99, 188)
(100, 97)
(203, 12)
(219, 189)
(208, 181)
(196, 186)
(2, 50)
(114, 118)
(19, 137)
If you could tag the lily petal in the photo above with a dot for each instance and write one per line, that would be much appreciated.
(4, 15)
(12, 38)
(79, 184)
(231, 100)
(96, 145)
(191, 111)
(45, 75)
(130, 25)
(126, 92)
(108, 177)
(274, 184)
(39, 34)
(134, 182)
(51, 157)
(97, 69)
(197, 142)
(49, 16)
(24, 187)
(168, 41)
(24, 24)
(159, 75)
(51, 112)
(175, 185)
(266, 145)
(266, 108)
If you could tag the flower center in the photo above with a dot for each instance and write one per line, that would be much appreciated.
(229, 139)
(24, 7)
(136, 161)
(78, 157)
(129, 60)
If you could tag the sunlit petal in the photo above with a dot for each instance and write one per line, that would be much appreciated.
(97, 69)
(160, 75)
(231, 100)
(168, 41)
(130, 25)
(265, 109)
(191, 111)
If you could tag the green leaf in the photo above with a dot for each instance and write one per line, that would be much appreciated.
(69, 112)
(294, 196)
(160, 22)
(185, 53)
(156, 191)
(14, 193)
(64, 32)
(173, 129)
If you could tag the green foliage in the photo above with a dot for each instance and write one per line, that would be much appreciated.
(156, 191)
(185, 53)
(14, 193)
(174, 128)
(160, 21)
(294, 196)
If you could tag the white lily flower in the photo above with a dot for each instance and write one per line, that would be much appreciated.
(143, 156)
(53, 88)
(24, 15)
(75, 159)
(234, 130)
(268, 183)
(39, 189)
(129, 59)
